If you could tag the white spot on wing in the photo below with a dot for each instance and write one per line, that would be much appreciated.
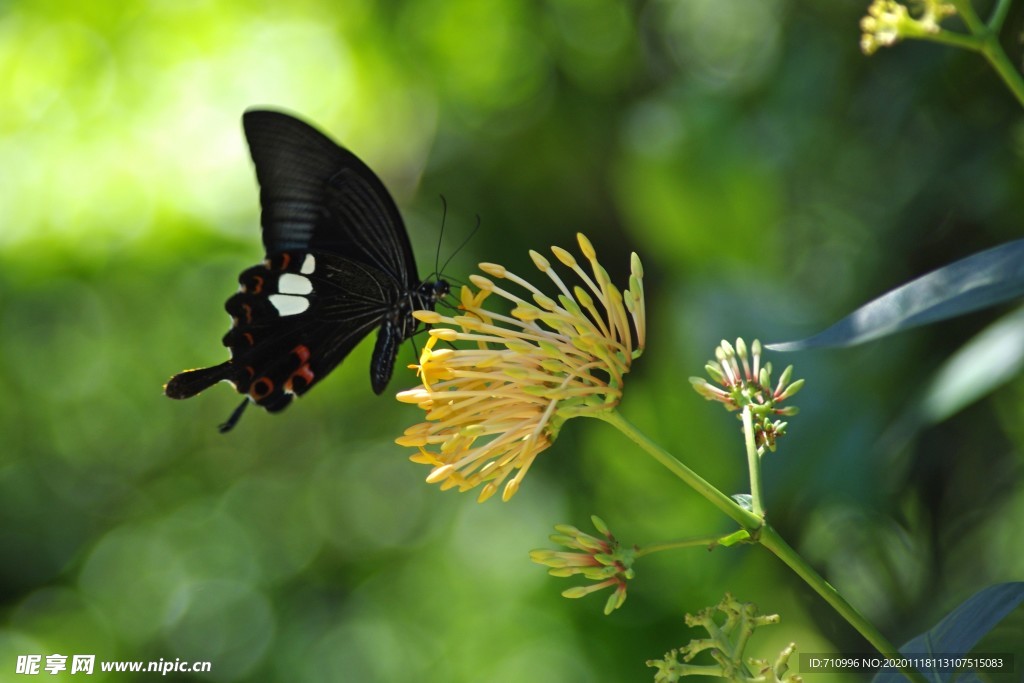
(290, 283)
(289, 305)
(308, 265)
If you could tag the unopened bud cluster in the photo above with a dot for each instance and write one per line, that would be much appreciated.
(599, 559)
(740, 380)
(887, 22)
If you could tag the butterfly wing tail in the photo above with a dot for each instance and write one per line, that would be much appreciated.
(189, 383)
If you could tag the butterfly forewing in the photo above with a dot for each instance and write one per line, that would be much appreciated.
(317, 195)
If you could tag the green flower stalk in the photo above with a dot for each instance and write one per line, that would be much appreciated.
(888, 22)
(744, 385)
(602, 560)
(499, 399)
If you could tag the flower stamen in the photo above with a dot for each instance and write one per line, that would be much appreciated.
(493, 407)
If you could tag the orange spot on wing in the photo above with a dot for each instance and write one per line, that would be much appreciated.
(303, 374)
(261, 388)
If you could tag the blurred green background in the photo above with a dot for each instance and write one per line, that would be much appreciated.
(771, 178)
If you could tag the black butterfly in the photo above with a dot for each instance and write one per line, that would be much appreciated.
(338, 264)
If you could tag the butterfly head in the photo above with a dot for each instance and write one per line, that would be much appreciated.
(434, 291)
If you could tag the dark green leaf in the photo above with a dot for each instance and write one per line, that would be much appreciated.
(960, 630)
(979, 281)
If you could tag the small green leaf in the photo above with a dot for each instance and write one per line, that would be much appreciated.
(744, 500)
(734, 538)
(979, 281)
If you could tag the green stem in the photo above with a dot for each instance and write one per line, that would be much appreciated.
(954, 39)
(995, 55)
(694, 542)
(771, 540)
(741, 515)
(966, 11)
(753, 463)
(995, 22)
(990, 46)
(759, 531)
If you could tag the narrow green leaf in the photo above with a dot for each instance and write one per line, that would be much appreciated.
(960, 630)
(979, 367)
(979, 281)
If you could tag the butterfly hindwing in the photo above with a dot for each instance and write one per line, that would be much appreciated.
(296, 317)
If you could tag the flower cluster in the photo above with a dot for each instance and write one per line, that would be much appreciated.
(602, 560)
(744, 383)
(493, 407)
(887, 22)
(727, 639)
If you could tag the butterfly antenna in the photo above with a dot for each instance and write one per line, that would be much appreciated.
(440, 238)
(464, 243)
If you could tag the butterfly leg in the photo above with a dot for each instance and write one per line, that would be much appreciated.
(236, 415)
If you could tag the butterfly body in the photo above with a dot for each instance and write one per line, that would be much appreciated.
(338, 265)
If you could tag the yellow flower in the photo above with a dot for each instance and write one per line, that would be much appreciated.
(493, 407)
